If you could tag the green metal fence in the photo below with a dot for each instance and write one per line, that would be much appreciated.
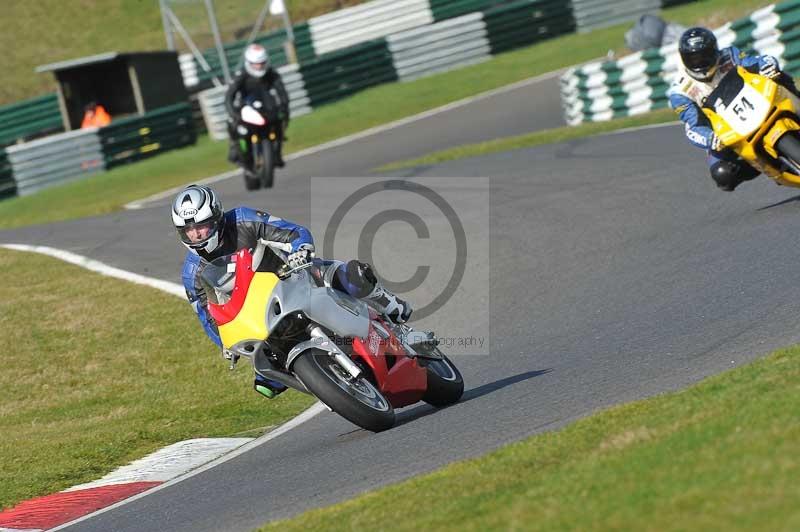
(28, 118)
(8, 186)
(339, 74)
(525, 22)
(135, 138)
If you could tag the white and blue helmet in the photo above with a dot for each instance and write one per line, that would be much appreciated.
(198, 207)
(256, 60)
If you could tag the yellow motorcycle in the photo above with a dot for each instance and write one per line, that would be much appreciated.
(758, 119)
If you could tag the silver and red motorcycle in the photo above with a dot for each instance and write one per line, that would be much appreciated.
(300, 331)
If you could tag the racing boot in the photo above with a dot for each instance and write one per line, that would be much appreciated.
(368, 288)
(279, 162)
(268, 388)
(234, 153)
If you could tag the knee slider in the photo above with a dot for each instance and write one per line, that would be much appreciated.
(725, 174)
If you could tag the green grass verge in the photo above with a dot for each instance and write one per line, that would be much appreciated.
(47, 31)
(721, 455)
(528, 140)
(98, 372)
(109, 191)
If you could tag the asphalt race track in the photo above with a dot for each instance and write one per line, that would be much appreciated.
(618, 271)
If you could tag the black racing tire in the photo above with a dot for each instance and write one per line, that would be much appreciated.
(251, 182)
(362, 404)
(267, 170)
(445, 383)
(789, 146)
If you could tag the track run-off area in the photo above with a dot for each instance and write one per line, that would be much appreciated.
(617, 271)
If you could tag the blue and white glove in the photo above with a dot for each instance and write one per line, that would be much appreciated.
(770, 68)
(300, 256)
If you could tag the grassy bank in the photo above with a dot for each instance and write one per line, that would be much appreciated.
(47, 31)
(98, 372)
(110, 191)
(721, 455)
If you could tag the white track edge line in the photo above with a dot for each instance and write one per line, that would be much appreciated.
(175, 289)
(101, 268)
(141, 203)
(639, 128)
(312, 411)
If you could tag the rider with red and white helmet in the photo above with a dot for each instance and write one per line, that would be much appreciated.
(257, 79)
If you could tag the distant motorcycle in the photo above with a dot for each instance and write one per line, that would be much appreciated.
(299, 331)
(258, 132)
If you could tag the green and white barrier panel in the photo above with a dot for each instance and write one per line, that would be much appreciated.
(523, 22)
(365, 22)
(8, 187)
(593, 14)
(440, 47)
(31, 166)
(509, 23)
(55, 159)
(138, 137)
(35, 117)
(411, 54)
(639, 82)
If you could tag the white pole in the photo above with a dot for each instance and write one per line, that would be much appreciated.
(212, 19)
(165, 22)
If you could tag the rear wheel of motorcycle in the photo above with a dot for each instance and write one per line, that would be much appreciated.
(358, 401)
(267, 171)
(789, 146)
(445, 383)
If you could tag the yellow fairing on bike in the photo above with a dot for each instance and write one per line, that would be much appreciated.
(250, 323)
(732, 138)
(751, 141)
(783, 125)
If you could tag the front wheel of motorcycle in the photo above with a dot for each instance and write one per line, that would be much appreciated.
(356, 400)
(267, 170)
(445, 383)
(789, 146)
(251, 182)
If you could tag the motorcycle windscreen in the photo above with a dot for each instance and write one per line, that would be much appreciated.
(743, 107)
(251, 116)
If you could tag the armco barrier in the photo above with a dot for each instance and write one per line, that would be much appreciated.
(591, 14)
(366, 22)
(515, 24)
(445, 9)
(37, 116)
(639, 82)
(212, 102)
(8, 187)
(348, 71)
(196, 77)
(360, 25)
(55, 159)
(438, 47)
(134, 138)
